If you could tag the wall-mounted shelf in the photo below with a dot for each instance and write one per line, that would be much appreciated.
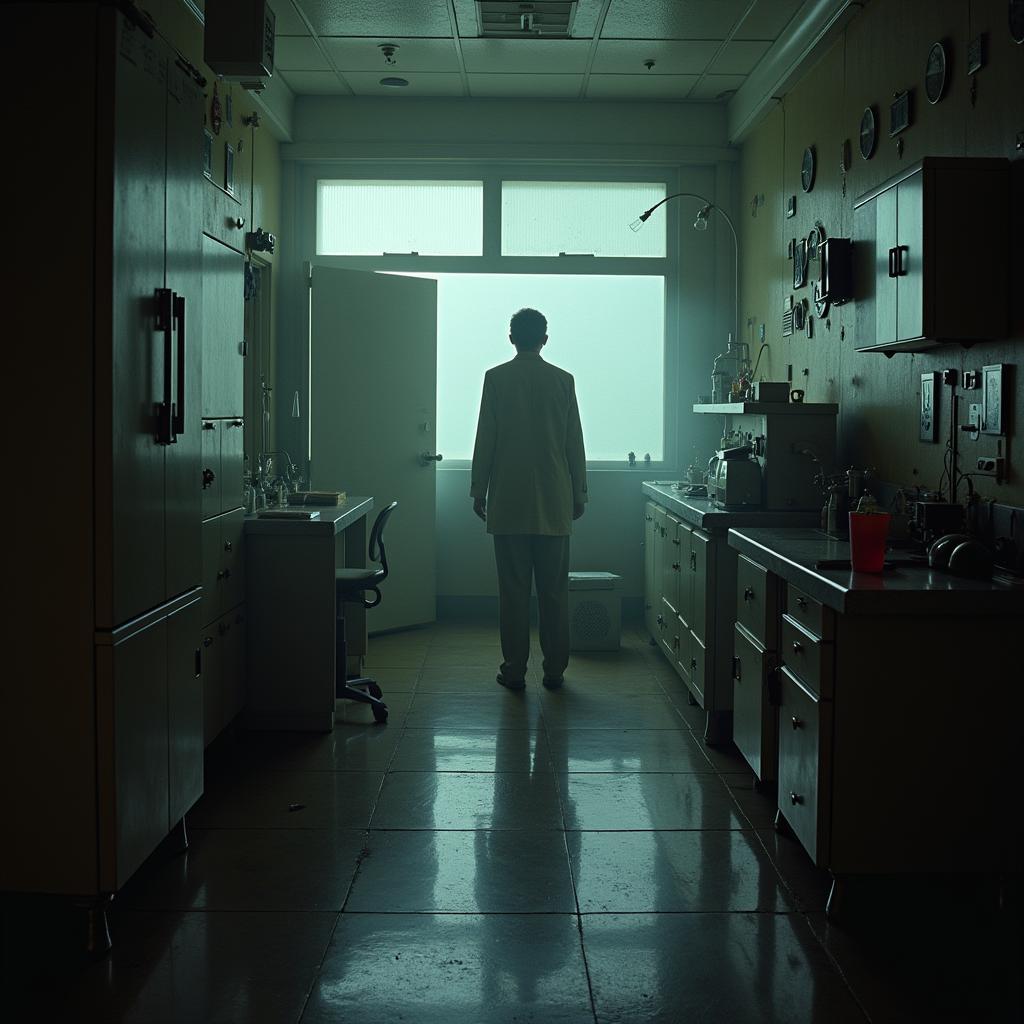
(769, 408)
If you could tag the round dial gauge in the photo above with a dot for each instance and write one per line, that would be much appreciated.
(935, 73)
(868, 133)
(807, 169)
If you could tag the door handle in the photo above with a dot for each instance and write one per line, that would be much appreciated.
(428, 457)
(178, 417)
(165, 324)
(892, 262)
(901, 267)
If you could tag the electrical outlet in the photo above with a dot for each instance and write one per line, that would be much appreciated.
(972, 380)
(974, 420)
(928, 419)
(986, 465)
(760, 333)
(992, 467)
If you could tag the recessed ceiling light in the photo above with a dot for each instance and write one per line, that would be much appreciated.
(395, 83)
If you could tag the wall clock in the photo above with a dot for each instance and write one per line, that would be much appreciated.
(807, 169)
(935, 73)
(868, 133)
(1016, 18)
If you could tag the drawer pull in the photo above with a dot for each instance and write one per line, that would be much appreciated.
(693, 560)
(660, 620)
(798, 648)
(795, 798)
(227, 545)
(798, 723)
(748, 594)
(693, 664)
(736, 669)
(676, 566)
(223, 574)
(801, 603)
(675, 643)
(676, 541)
(207, 641)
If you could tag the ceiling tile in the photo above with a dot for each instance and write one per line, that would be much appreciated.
(516, 56)
(316, 83)
(364, 54)
(378, 17)
(711, 87)
(298, 53)
(768, 19)
(674, 57)
(671, 19)
(583, 25)
(367, 83)
(533, 86)
(286, 21)
(739, 57)
(640, 87)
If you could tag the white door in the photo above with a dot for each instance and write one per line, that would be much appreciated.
(373, 396)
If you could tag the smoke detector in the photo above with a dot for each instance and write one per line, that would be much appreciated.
(530, 19)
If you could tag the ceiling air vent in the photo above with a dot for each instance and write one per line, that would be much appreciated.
(547, 19)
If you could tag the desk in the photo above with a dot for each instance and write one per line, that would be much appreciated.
(290, 594)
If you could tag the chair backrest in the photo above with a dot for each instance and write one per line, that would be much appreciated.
(377, 552)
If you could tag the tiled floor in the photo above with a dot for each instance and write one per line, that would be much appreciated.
(490, 856)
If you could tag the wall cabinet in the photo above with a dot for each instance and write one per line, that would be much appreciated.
(931, 256)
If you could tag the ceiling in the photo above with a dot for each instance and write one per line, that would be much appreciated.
(701, 50)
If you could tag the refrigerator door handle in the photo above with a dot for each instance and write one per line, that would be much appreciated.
(178, 420)
(165, 324)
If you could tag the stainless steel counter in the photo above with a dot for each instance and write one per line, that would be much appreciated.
(794, 555)
(333, 519)
(705, 515)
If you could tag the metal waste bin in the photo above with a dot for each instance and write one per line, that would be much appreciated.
(595, 611)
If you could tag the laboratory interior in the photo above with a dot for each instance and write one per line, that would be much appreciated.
(264, 771)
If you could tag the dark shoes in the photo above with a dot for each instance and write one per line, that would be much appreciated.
(552, 682)
(510, 684)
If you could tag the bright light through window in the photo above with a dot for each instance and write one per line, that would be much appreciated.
(368, 218)
(608, 332)
(546, 218)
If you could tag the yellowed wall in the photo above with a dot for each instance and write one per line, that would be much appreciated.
(882, 50)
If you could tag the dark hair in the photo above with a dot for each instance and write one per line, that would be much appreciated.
(528, 329)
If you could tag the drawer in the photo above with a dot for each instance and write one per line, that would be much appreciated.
(807, 657)
(804, 788)
(232, 561)
(210, 480)
(698, 668)
(683, 646)
(211, 566)
(755, 729)
(756, 590)
(700, 578)
(811, 614)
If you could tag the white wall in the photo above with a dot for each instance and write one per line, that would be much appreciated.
(689, 138)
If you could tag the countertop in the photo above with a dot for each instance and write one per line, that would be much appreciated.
(794, 554)
(333, 519)
(705, 515)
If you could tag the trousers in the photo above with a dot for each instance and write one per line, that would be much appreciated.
(523, 559)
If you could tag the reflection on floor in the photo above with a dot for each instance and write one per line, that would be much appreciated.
(565, 856)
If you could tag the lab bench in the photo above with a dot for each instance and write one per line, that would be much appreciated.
(886, 707)
(689, 586)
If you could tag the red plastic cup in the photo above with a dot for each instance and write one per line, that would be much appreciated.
(868, 533)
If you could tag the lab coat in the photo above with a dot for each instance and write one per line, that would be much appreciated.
(528, 460)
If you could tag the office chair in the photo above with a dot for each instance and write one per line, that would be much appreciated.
(353, 585)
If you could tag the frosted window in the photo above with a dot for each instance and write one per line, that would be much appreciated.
(608, 332)
(367, 218)
(546, 218)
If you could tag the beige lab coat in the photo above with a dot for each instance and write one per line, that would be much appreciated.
(528, 460)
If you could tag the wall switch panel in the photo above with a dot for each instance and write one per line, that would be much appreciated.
(928, 421)
(974, 419)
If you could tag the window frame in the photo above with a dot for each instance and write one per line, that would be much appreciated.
(492, 174)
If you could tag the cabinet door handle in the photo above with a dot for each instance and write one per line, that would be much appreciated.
(207, 640)
(693, 560)
(676, 566)
(165, 325)
(795, 798)
(801, 603)
(236, 423)
(199, 662)
(209, 425)
(736, 668)
(798, 723)
(892, 262)
(676, 541)
(227, 545)
(178, 416)
(798, 648)
(693, 664)
(748, 594)
(660, 620)
(901, 267)
(208, 477)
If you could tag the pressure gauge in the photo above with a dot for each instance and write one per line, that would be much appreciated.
(935, 73)
(868, 133)
(807, 169)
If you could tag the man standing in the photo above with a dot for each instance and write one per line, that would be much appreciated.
(529, 482)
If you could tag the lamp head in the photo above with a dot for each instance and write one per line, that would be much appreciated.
(701, 223)
(640, 221)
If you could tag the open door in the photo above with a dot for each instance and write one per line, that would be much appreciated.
(373, 397)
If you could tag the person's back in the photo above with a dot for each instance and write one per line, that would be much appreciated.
(529, 484)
